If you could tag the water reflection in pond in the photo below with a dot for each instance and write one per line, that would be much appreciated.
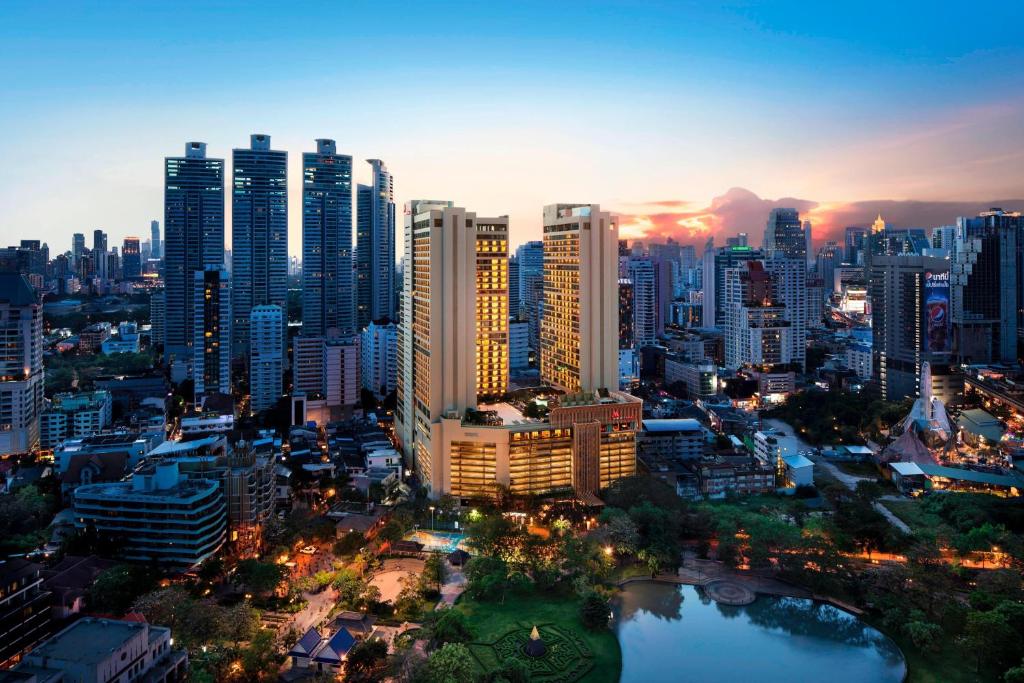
(676, 633)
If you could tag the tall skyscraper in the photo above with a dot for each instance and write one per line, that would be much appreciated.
(808, 244)
(266, 363)
(327, 300)
(375, 247)
(259, 235)
(987, 283)
(131, 258)
(514, 302)
(643, 303)
(716, 262)
(492, 306)
(21, 364)
(784, 234)
(756, 332)
(789, 287)
(194, 238)
(910, 302)
(99, 251)
(211, 331)
(579, 328)
(531, 287)
(853, 245)
(156, 249)
(77, 245)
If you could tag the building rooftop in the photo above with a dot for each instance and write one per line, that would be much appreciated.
(672, 425)
(88, 641)
(796, 460)
(16, 290)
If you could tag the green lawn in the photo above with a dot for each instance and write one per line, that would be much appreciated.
(949, 665)
(497, 627)
(858, 469)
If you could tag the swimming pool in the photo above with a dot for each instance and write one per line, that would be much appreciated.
(443, 541)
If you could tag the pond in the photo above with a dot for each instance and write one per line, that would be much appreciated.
(676, 633)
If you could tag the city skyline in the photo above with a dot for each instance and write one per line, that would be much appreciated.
(868, 107)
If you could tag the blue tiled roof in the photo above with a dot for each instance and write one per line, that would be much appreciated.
(307, 644)
(336, 648)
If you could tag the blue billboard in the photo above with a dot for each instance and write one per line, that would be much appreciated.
(935, 313)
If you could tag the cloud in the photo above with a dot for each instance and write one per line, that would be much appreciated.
(740, 210)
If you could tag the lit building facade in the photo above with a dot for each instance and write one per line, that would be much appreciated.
(327, 241)
(193, 238)
(259, 235)
(579, 328)
(461, 445)
(21, 364)
(211, 336)
(492, 294)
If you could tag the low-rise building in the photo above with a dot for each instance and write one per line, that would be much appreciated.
(798, 470)
(95, 650)
(134, 444)
(74, 415)
(735, 473)
(90, 340)
(160, 515)
(674, 439)
(125, 341)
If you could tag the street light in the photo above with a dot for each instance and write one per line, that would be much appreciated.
(432, 508)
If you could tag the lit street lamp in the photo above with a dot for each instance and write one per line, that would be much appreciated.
(432, 517)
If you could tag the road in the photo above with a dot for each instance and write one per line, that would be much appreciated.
(316, 609)
(790, 443)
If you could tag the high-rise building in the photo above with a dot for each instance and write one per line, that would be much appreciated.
(829, 256)
(808, 244)
(461, 446)
(326, 370)
(266, 359)
(757, 332)
(910, 303)
(644, 302)
(157, 317)
(627, 339)
(853, 245)
(211, 332)
(21, 364)
(530, 258)
(77, 245)
(518, 344)
(987, 286)
(716, 262)
(193, 237)
(579, 329)
(375, 247)
(99, 251)
(789, 286)
(327, 300)
(156, 250)
(378, 350)
(784, 234)
(492, 306)
(514, 302)
(131, 259)
(259, 235)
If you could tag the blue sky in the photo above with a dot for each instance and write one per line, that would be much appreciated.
(506, 107)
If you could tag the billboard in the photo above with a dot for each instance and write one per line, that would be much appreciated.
(935, 313)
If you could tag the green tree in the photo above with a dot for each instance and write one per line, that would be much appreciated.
(1014, 675)
(115, 589)
(926, 636)
(434, 574)
(594, 611)
(259, 577)
(985, 635)
(449, 626)
(260, 659)
(452, 663)
(366, 661)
